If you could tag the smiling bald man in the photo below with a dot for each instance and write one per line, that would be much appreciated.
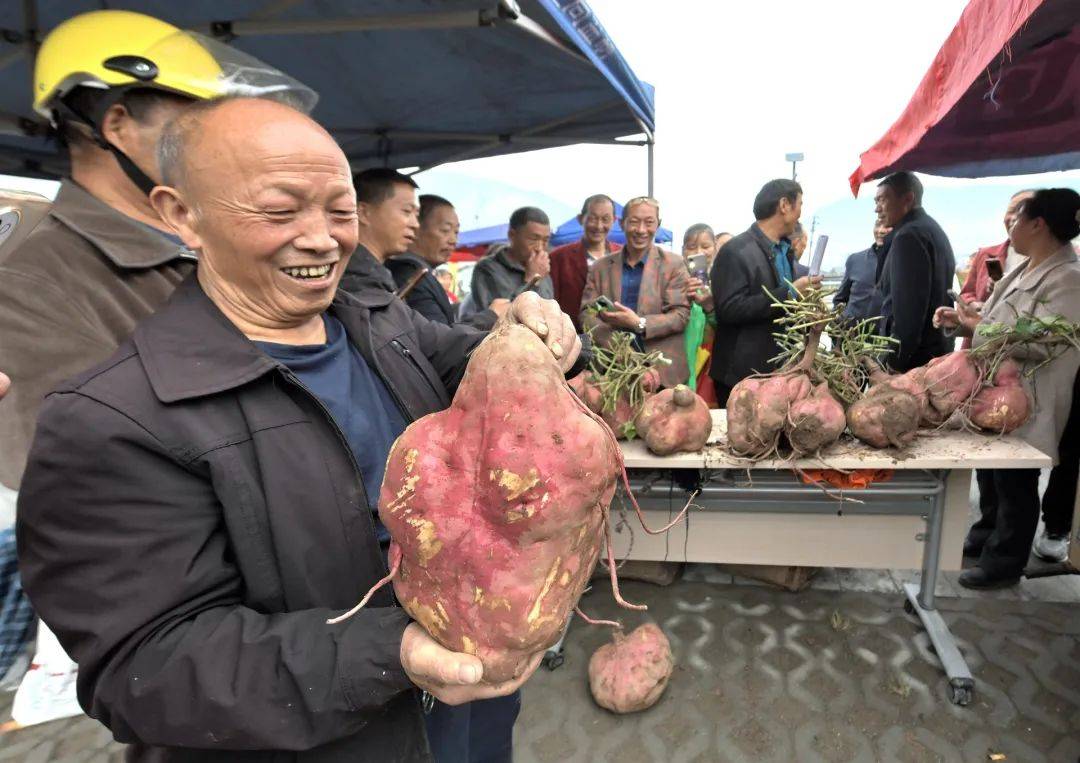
(195, 508)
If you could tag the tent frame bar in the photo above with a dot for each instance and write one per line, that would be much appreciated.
(390, 21)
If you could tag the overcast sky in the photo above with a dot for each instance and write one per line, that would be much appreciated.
(738, 85)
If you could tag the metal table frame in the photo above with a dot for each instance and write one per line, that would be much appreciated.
(924, 498)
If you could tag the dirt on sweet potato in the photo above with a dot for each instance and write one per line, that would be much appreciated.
(815, 421)
(884, 417)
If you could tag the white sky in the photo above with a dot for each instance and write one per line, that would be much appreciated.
(738, 85)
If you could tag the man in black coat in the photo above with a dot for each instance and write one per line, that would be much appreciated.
(435, 240)
(914, 275)
(756, 261)
(195, 508)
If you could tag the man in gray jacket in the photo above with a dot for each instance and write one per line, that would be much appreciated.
(522, 266)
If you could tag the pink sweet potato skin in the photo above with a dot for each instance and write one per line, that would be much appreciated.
(1005, 406)
(950, 380)
(498, 504)
(630, 673)
(1001, 409)
(816, 421)
(757, 410)
(674, 421)
(885, 416)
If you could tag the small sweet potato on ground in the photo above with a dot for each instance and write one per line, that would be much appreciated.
(675, 420)
(630, 673)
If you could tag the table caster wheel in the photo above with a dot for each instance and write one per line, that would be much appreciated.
(554, 661)
(909, 607)
(961, 694)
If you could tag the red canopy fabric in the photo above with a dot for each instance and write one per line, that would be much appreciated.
(1002, 97)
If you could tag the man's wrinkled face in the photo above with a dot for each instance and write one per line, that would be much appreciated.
(597, 222)
(640, 223)
(1015, 203)
(890, 206)
(392, 224)
(529, 239)
(438, 234)
(274, 215)
(789, 214)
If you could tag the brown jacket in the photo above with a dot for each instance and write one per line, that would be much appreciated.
(69, 295)
(1049, 289)
(662, 303)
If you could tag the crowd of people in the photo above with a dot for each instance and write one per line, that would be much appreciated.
(219, 330)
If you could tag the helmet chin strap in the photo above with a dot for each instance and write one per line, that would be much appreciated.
(63, 112)
(135, 175)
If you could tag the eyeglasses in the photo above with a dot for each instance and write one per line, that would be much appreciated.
(641, 200)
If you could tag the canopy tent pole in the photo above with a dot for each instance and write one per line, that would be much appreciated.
(649, 146)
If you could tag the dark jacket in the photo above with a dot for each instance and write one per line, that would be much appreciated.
(917, 273)
(500, 276)
(858, 291)
(69, 295)
(428, 297)
(744, 313)
(189, 518)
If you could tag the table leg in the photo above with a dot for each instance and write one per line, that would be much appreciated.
(920, 600)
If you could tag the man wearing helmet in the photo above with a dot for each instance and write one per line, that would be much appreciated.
(102, 260)
(108, 81)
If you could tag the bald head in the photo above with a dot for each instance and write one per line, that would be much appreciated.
(224, 125)
(265, 197)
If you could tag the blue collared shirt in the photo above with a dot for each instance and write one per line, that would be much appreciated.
(782, 263)
(631, 282)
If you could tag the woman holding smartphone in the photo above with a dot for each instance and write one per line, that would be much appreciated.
(1045, 283)
(700, 246)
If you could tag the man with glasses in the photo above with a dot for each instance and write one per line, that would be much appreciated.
(646, 288)
(570, 263)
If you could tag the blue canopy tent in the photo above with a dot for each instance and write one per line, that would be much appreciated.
(402, 83)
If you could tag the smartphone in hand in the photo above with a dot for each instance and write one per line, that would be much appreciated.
(698, 265)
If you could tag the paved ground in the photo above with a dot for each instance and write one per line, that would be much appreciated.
(834, 676)
(764, 675)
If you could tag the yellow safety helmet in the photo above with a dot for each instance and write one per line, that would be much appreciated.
(120, 49)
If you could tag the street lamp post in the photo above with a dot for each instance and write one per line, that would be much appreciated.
(794, 159)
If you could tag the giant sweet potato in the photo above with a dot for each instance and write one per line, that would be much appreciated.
(1004, 406)
(498, 506)
(815, 421)
(630, 673)
(950, 381)
(757, 410)
(675, 420)
(912, 382)
(885, 416)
